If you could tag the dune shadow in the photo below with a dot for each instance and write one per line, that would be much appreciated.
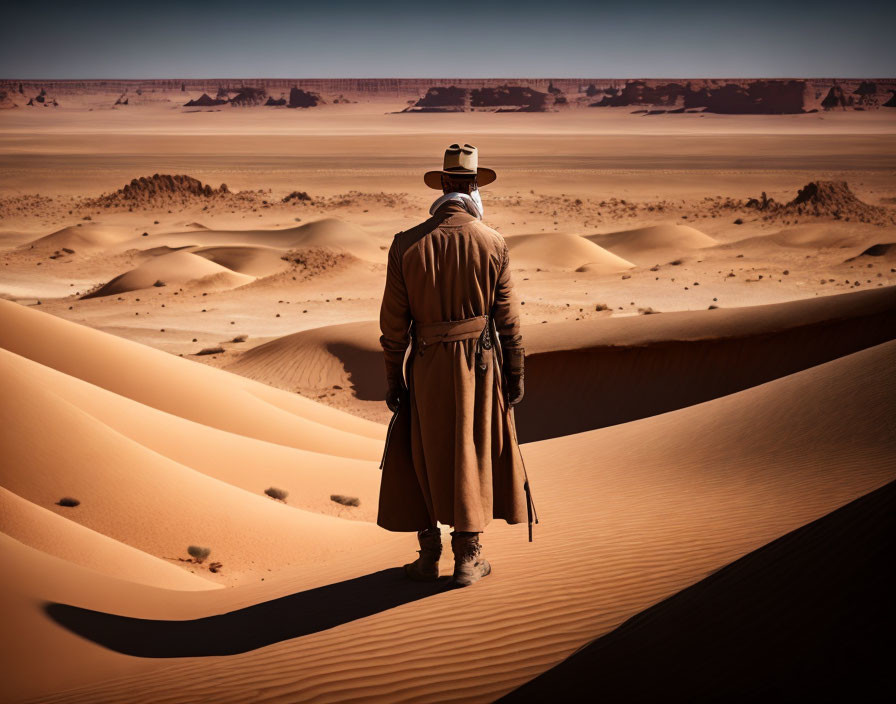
(364, 369)
(249, 628)
(808, 617)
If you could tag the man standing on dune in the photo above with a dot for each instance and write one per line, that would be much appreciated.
(451, 453)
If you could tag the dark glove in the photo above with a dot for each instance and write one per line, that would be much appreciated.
(514, 358)
(393, 397)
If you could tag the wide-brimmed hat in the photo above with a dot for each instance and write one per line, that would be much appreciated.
(460, 160)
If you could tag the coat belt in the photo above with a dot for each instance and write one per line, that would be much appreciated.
(450, 330)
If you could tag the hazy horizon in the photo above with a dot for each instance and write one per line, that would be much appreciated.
(402, 39)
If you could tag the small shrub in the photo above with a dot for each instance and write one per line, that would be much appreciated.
(159, 283)
(68, 502)
(198, 553)
(647, 311)
(297, 195)
(712, 307)
(215, 567)
(345, 500)
(601, 306)
(276, 493)
(210, 350)
(676, 262)
(240, 338)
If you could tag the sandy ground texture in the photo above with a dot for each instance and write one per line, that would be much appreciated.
(190, 363)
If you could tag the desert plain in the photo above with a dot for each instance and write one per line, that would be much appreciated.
(189, 353)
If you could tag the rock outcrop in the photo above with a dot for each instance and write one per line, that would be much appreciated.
(160, 189)
(204, 101)
(299, 98)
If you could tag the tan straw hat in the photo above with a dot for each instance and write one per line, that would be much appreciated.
(460, 160)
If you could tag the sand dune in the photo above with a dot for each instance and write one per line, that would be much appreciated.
(630, 515)
(184, 388)
(347, 355)
(591, 374)
(709, 643)
(53, 533)
(810, 236)
(139, 497)
(331, 233)
(647, 245)
(253, 465)
(85, 238)
(252, 261)
(562, 251)
(176, 268)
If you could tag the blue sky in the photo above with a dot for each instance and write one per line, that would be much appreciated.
(552, 38)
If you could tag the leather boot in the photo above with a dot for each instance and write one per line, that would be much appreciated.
(469, 565)
(426, 567)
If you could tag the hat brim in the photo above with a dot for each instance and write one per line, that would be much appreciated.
(484, 176)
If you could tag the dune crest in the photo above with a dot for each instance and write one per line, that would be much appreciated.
(82, 238)
(184, 388)
(643, 245)
(563, 251)
(176, 268)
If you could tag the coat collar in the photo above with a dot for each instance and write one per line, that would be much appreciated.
(453, 213)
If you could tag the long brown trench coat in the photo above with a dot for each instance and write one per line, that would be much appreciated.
(451, 455)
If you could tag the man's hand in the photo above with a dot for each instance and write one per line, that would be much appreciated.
(514, 391)
(393, 398)
(513, 374)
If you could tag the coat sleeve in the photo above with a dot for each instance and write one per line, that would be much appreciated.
(395, 319)
(505, 312)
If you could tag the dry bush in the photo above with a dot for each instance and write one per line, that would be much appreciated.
(68, 501)
(240, 338)
(276, 493)
(601, 306)
(210, 350)
(345, 500)
(647, 311)
(198, 553)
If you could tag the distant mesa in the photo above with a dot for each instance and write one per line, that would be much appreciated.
(299, 98)
(204, 101)
(501, 98)
(443, 99)
(6, 100)
(733, 98)
(837, 98)
(508, 98)
(647, 97)
(248, 96)
(43, 99)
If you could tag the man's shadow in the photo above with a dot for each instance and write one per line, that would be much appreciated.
(252, 627)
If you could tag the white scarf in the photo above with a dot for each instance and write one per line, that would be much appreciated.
(472, 202)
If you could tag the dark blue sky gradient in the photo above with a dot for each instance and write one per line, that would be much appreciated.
(396, 38)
